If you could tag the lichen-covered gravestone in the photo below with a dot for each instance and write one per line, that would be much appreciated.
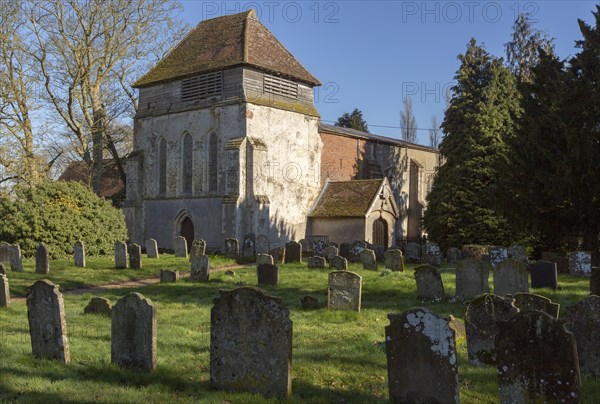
(135, 256)
(344, 291)
(198, 247)
(133, 335)
(356, 249)
(151, 248)
(472, 277)
(4, 291)
(497, 255)
(293, 252)
(42, 259)
(536, 360)
(167, 275)
(251, 343)
(511, 277)
(528, 301)
(429, 283)
(338, 262)
(79, 254)
(200, 268)
(267, 274)
(232, 248)
(16, 258)
(412, 253)
(330, 252)
(121, 256)
(583, 320)
(580, 263)
(394, 260)
(480, 324)
(180, 247)
(98, 305)
(453, 255)
(316, 262)
(432, 254)
(369, 261)
(47, 324)
(421, 358)
(544, 275)
(264, 259)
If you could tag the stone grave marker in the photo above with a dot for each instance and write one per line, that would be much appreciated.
(180, 247)
(595, 281)
(480, 324)
(330, 252)
(472, 278)
(562, 263)
(369, 261)
(306, 247)
(79, 254)
(432, 254)
(309, 302)
(517, 252)
(511, 277)
(42, 259)
(264, 259)
(345, 290)
(421, 358)
(345, 250)
(583, 320)
(4, 291)
(356, 249)
(316, 262)
(199, 268)
(232, 248)
(267, 274)
(318, 247)
(544, 275)
(580, 263)
(167, 275)
(133, 335)
(135, 256)
(251, 343)
(458, 326)
(278, 254)
(536, 360)
(453, 255)
(497, 255)
(151, 248)
(198, 247)
(121, 256)
(249, 249)
(47, 324)
(4, 252)
(379, 251)
(16, 258)
(338, 262)
(293, 252)
(429, 283)
(412, 253)
(394, 260)
(528, 301)
(98, 305)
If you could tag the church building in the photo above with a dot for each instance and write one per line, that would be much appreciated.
(228, 143)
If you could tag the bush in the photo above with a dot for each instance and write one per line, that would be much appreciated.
(59, 214)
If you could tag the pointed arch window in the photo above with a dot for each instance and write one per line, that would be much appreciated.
(212, 163)
(187, 164)
(162, 167)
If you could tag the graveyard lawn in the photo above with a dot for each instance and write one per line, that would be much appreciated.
(337, 356)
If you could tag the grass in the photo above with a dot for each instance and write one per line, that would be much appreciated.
(337, 356)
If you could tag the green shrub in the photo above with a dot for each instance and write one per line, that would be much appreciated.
(59, 214)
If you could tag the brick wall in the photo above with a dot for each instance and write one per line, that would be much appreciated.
(340, 156)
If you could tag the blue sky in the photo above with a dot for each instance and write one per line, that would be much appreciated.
(371, 54)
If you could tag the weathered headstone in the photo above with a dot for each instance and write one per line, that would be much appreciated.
(511, 277)
(345, 290)
(278, 254)
(536, 360)
(47, 324)
(4, 252)
(168, 275)
(344, 250)
(412, 253)
(198, 247)
(42, 259)
(293, 252)
(529, 301)
(98, 305)
(267, 274)
(356, 249)
(338, 262)
(497, 255)
(330, 252)
(421, 358)
(151, 248)
(429, 283)
(121, 256)
(480, 324)
(432, 254)
(394, 260)
(544, 275)
(453, 255)
(309, 302)
(16, 258)
(79, 254)
(318, 247)
(595, 281)
(199, 268)
(249, 249)
(133, 336)
(583, 320)
(4, 291)
(180, 247)
(135, 256)
(251, 343)
(562, 263)
(580, 263)
(369, 261)
(474, 251)
(472, 278)
(232, 248)
(264, 259)
(316, 262)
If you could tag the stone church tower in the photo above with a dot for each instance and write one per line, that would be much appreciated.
(226, 140)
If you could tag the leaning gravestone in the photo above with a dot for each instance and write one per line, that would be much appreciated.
(480, 324)
(198, 247)
(4, 291)
(356, 249)
(432, 254)
(497, 255)
(595, 281)
(47, 324)
(453, 255)
(345, 250)
(42, 259)
(368, 259)
(394, 260)
(98, 305)
(472, 278)
(199, 268)
(133, 336)
(316, 262)
(249, 248)
(293, 252)
(135, 256)
(344, 291)
(151, 248)
(338, 262)
(330, 252)
(251, 343)
(511, 277)
(562, 263)
(580, 263)
(264, 259)
(121, 256)
(536, 360)
(168, 275)
(421, 348)
(267, 274)
(528, 301)
(232, 248)
(278, 254)
(429, 283)
(544, 275)
(180, 247)
(16, 258)
(583, 320)
(412, 253)
(79, 254)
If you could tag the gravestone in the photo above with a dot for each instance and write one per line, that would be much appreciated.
(458, 326)
(264, 259)
(394, 260)
(251, 343)
(167, 275)
(278, 254)
(199, 268)
(562, 263)
(121, 256)
(474, 251)
(42, 259)
(528, 301)
(517, 252)
(306, 247)
(544, 275)
(580, 263)
(344, 291)
(432, 254)
(429, 283)
(309, 302)
(267, 274)
(369, 261)
(232, 248)
(344, 250)
(151, 248)
(293, 252)
(262, 244)
(511, 277)
(536, 360)
(180, 247)
(472, 278)
(4, 252)
(330, 252)
(453, 255)
(47, 324)
(412, 253)
(98, 305)
(595, 281)
(316, 262)
(133, 335)
(135, 256)
(379, 251)
(480, 324)
(318, 248)
(198, 247)
(356, 249)
(583, 320)
(79, 254)
(249, 248)
(16, 258)
(338, 262)
(497, 255)
(421, 358)
(4, 291)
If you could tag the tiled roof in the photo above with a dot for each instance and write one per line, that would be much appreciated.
(111, 180)
(223, 42)
(346, 198)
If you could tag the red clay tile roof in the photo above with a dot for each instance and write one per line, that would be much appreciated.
(111, 180)
(346, 198)
(223, 42)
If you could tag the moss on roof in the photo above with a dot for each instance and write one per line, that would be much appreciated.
(346, 198)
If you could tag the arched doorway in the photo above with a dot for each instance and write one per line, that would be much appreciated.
(187, 231)
(380, 232)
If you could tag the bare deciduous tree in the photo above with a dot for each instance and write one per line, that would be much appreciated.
(435, 133)
(408, 123)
